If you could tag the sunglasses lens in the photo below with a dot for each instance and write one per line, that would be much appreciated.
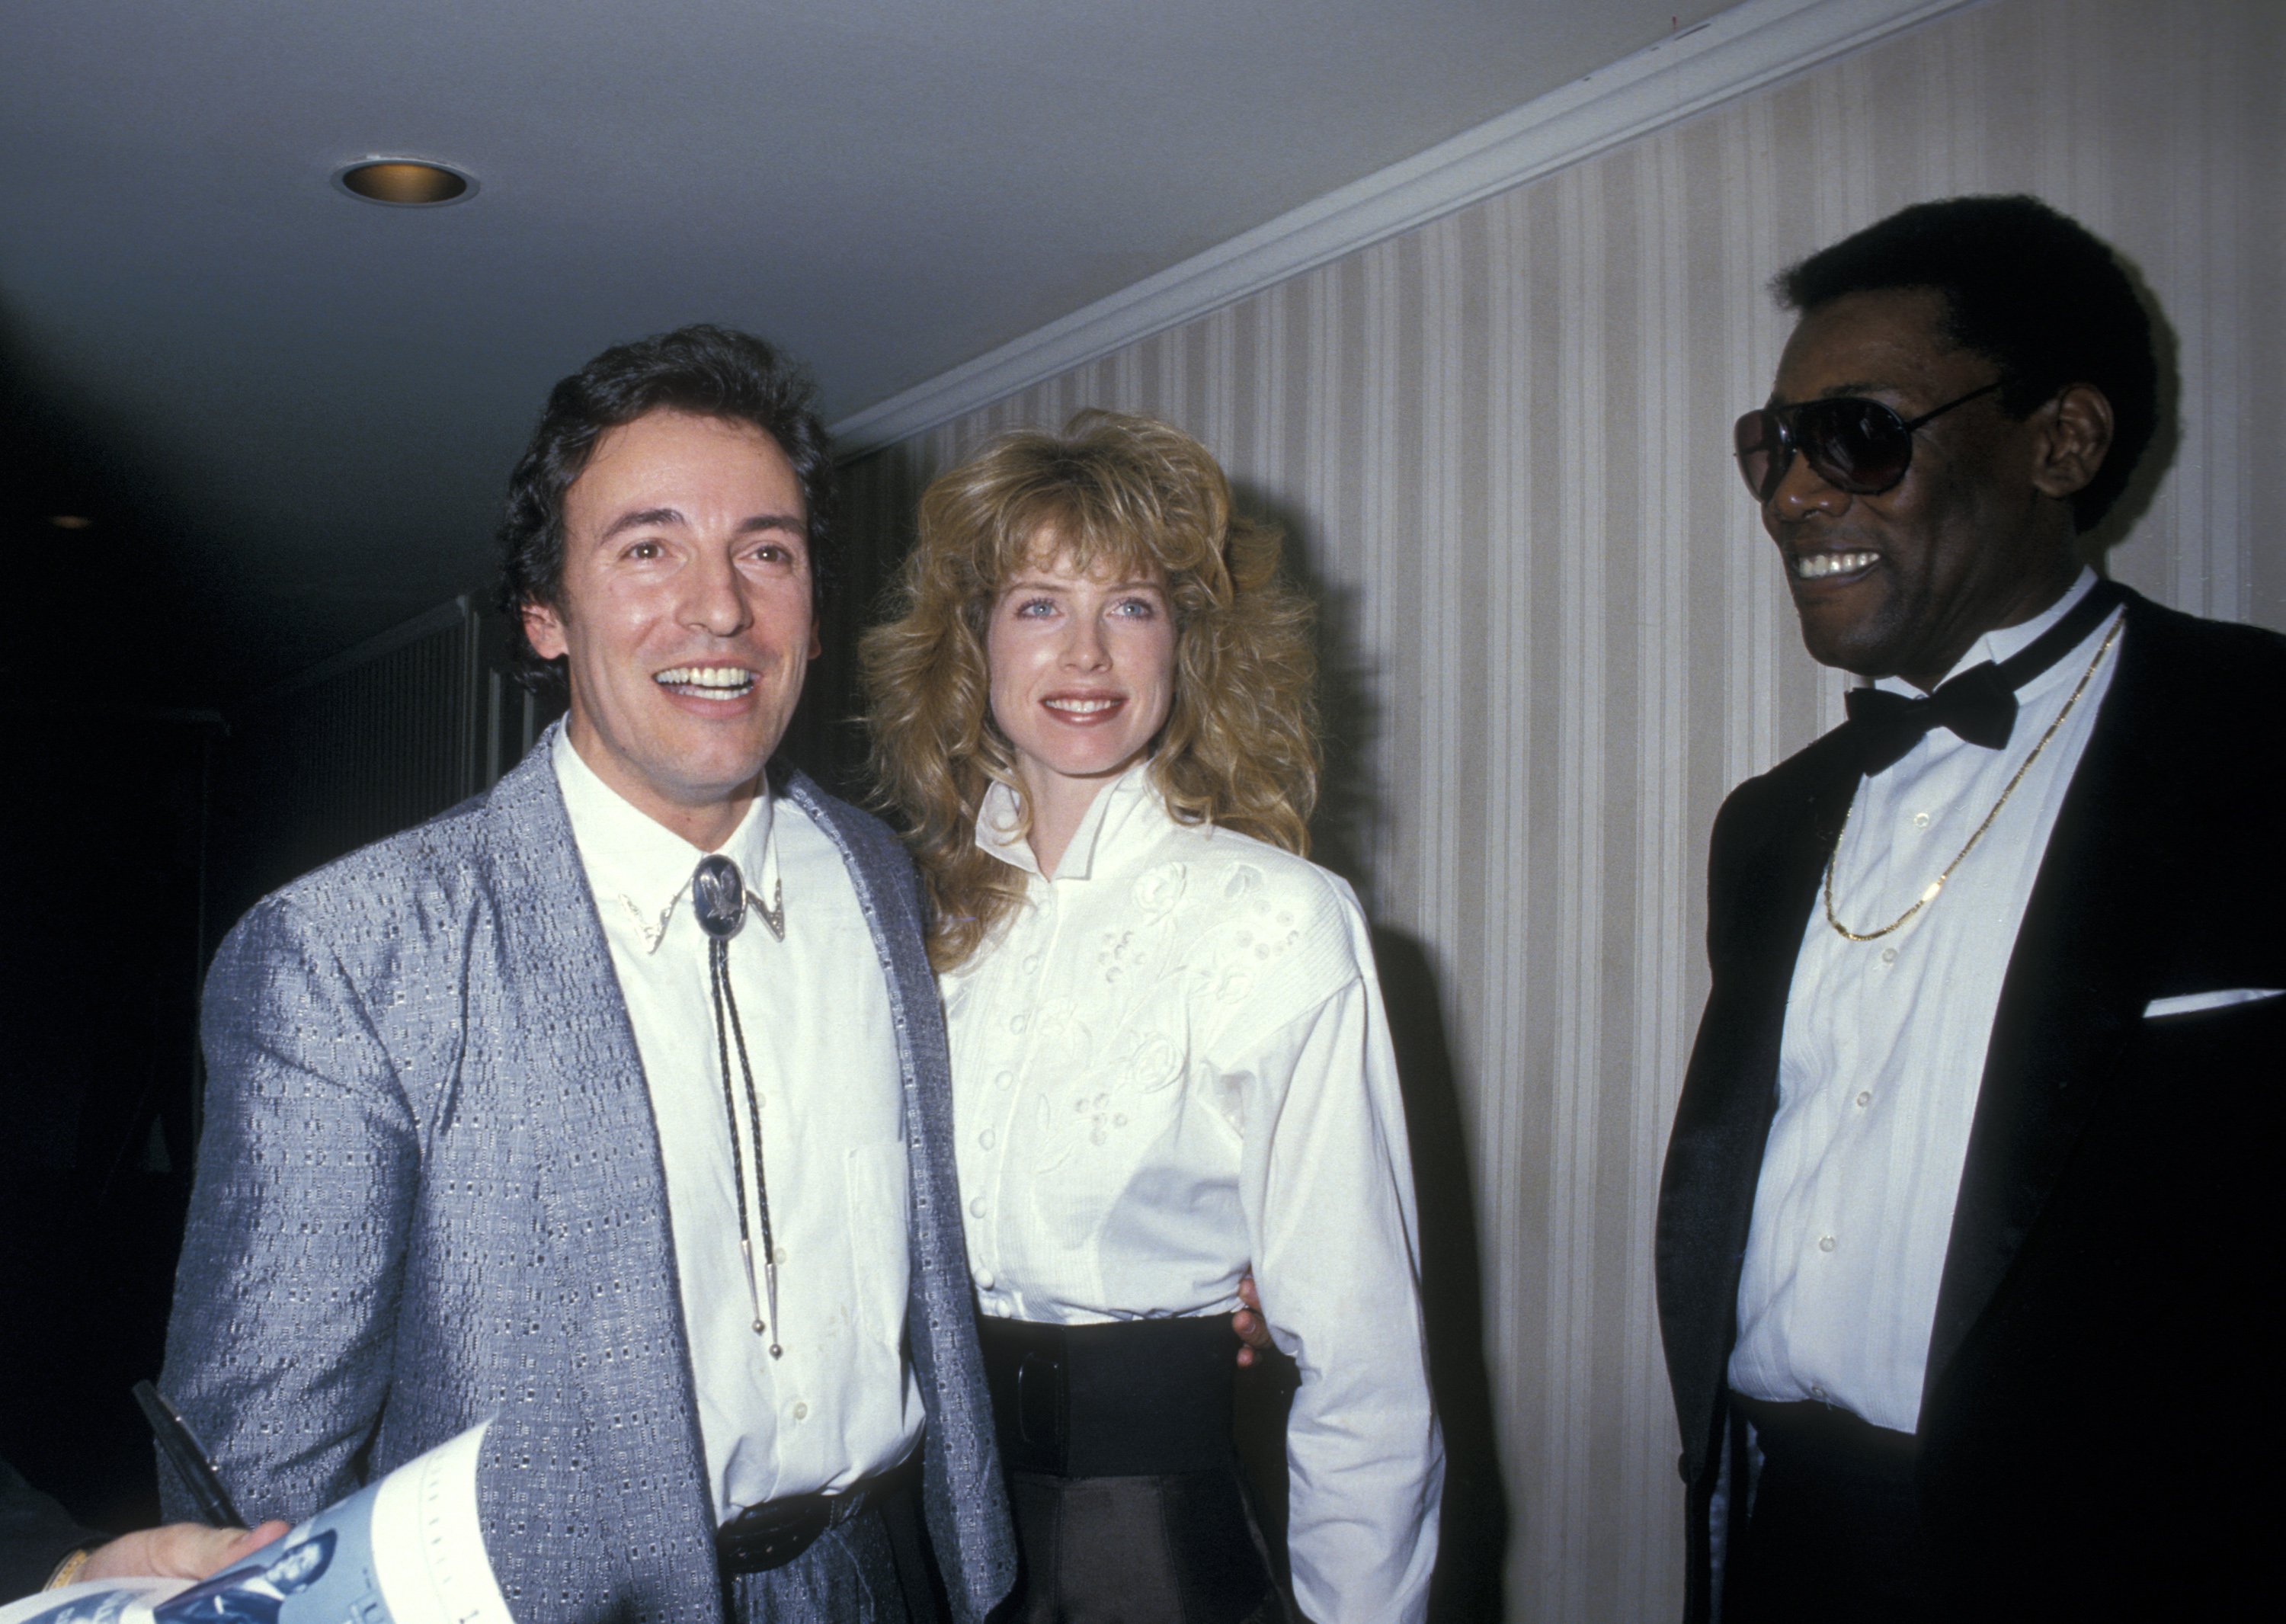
(1761, 454)
(1856, 446)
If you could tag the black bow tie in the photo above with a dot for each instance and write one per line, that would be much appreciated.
(1979, 704)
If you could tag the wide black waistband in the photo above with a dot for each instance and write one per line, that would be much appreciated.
(1134, 1398)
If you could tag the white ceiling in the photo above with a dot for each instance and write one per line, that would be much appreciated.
(293, 411)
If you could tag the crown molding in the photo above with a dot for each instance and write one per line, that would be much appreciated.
(1729, 55)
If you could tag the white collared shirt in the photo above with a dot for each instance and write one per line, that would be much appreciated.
(1882, 1057)
(840, 1404)
(1170, 1065)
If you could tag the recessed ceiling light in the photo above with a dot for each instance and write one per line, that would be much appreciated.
(407, 182)
(71, 521)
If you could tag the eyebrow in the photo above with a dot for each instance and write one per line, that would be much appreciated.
(1041, 583)
(1853, 390)
(642, 518)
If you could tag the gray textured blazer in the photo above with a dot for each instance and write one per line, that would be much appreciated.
(430, 1190)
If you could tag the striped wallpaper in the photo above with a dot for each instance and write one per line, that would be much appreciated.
(1556, 637)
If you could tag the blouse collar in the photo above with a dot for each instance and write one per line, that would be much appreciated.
(1120, 808)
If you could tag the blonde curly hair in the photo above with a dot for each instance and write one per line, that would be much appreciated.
(1240, 747)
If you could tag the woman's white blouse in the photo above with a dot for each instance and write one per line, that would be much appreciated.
(1170, 1065)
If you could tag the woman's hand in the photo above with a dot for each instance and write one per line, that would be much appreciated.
(1253, 1330)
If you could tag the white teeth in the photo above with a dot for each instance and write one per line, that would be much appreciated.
(1816, 566)
(712, 679)
(1080, 707)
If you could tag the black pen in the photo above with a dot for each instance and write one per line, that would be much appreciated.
(189, 1458)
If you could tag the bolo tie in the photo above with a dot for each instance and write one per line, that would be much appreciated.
(718, 897)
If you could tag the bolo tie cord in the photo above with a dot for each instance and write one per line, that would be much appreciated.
(718, 969)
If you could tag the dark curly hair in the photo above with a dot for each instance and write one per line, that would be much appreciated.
(706, 371)
(2033, 290)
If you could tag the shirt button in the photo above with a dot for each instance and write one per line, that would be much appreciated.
(1031, 963)
(801, 1412)
(988, 1138)
(1015, 1024)
(1816, 1391)
(976, 1207)
(1865, 1099)
(1006, 1079)
(984, 1281)
(1888, 956)
(1921, 820)
(1825, 1243)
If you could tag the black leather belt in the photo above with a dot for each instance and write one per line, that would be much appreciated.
(773, 1533)
(1140, 1398)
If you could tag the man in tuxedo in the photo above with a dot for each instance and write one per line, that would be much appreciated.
(613, 1103)
(1968, 1230)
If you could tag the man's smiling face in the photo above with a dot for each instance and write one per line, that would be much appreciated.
(684, 616)
(1903, 582)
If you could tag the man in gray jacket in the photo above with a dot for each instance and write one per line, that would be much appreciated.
(613, 1103)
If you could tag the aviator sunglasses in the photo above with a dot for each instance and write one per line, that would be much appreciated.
(1854, 445)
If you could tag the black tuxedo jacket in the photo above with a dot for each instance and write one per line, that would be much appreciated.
(2100, 1422)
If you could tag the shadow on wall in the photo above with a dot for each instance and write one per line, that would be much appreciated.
(2166, 436)
(1473, 1547)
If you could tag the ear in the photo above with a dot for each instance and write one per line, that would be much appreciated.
(543, 629)
(2075, 434)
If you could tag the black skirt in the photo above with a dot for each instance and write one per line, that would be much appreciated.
(1129, 1502)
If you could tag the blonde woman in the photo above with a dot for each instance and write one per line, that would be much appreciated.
(1171, 1063)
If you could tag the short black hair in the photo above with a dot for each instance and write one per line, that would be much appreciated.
(2036, 292)
(706, 371)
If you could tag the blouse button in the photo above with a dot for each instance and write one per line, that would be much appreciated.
(1015, 1024)
(1006, 1079)
(988, 1138)
(1921, 820)
(1031, 963)
(976, 1207)
(1825, 1243)
(801, 1412)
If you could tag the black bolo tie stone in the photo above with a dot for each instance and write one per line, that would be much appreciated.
(718, 895)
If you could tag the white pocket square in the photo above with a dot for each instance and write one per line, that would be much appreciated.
(2190, 1002)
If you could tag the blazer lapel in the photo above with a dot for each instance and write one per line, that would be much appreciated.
(961, 1485)
(2065, 1006)
(568, 1026)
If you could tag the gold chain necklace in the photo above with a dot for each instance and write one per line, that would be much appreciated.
(1937, 885)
